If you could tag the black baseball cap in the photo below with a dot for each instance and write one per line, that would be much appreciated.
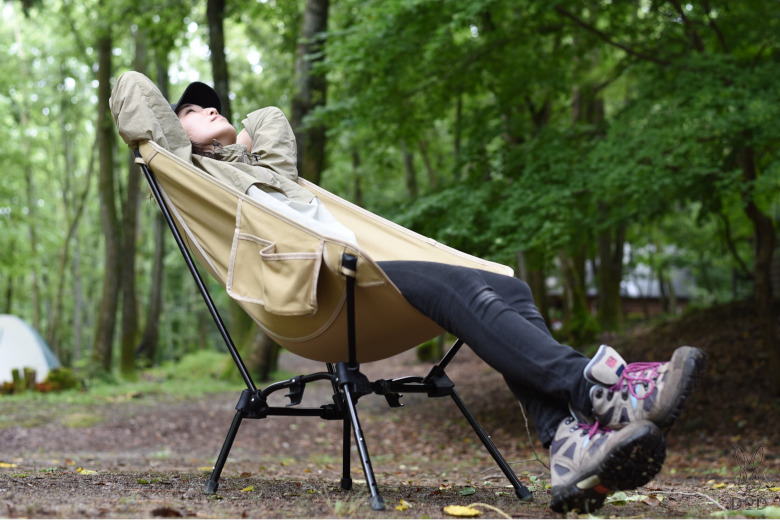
(200, 94)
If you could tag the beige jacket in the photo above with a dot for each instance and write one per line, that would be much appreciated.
(271, 165)
(141, 113)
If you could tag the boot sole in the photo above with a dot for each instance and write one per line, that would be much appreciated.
(629, 465)
(695, 360)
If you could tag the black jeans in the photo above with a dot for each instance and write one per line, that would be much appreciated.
(496, 316)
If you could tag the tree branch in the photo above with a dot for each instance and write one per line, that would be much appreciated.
(715, 28)
(733, 248)
(563, 12)
(697, 43)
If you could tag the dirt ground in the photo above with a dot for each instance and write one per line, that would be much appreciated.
(145, 456)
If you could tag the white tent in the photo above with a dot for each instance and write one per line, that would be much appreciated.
(21, 346)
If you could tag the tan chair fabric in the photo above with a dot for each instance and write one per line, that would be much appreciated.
(287, 278)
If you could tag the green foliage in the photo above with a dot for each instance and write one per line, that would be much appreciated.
(194, 375)
(60, 379)
(494, 126)
(199, 366)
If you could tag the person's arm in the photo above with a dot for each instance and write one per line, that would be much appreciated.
(271, 140)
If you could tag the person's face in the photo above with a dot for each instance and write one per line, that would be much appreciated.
(203, 125)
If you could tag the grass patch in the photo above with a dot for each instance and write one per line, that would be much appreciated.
(81, 420)
(194, 375)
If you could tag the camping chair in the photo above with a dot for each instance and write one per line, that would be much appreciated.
(318, 297)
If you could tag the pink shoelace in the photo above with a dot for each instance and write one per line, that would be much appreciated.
(637, 374)
(593, 429)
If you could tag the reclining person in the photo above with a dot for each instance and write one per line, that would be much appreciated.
(602, 419)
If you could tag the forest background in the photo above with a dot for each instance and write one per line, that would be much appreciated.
(576, 141)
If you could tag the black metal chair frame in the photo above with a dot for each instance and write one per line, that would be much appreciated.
(348, 383)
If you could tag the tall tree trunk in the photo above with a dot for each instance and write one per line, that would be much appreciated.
(762, 271)
(215, 14)
(456, 137)
(358, 189)
(433, 180)
(580, 325)
(310, 90)
(77, 320)
(129, 329)
(412, 189)
(130, 332)
(30, 191)
(9, 295)
(530, 267)
(586, 108)
(106, 321)
(150, 341)
(80, 203)
(610, 273)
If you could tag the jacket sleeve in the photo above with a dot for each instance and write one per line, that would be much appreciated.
(273, 141)
(142, 113)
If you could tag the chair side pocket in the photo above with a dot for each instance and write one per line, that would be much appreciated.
(285, 284)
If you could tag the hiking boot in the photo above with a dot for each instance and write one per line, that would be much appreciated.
(587, 461)
(651, 391)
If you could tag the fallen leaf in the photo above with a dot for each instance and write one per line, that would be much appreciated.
(775, 489)
(248, 488)
(403, 505)
(620, 498)
(7, 465)
(462, 511)
(83, 471)
(719, 486)
(467, 491)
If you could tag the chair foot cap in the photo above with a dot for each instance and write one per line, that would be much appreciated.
(211, 487)
(377, 503)
(524, 494)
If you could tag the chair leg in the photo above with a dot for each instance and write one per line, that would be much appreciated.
(346, 471)
(346, 477)
(213, 483)
(377, 502)
(521, 491)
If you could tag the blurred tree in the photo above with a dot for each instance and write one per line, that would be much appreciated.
(310, 90)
